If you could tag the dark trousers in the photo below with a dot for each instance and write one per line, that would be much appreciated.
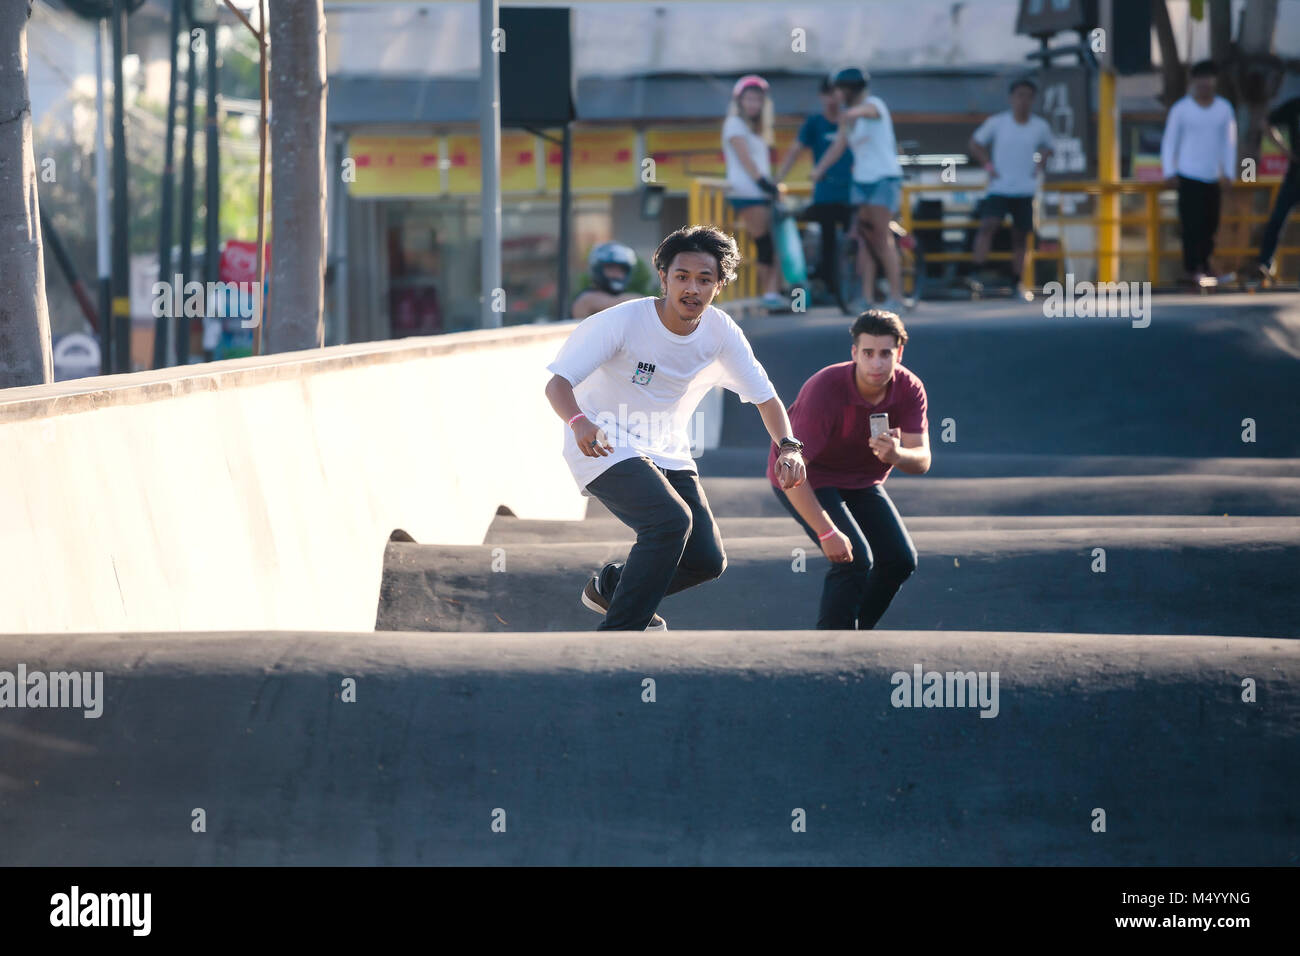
(677, 541)
(1288, 194)
(1198, 210)
(884, 557)
(834, 218)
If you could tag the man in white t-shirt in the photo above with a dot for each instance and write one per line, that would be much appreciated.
(1198, 153)
(627, 382)
(1012, 146)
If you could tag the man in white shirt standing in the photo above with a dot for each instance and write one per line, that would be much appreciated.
(1013, 147)
(627, 381)
(1199, 153)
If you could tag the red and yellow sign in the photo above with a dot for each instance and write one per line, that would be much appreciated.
(518, 163)
(394, 166)
(602, 159)
(682, 153)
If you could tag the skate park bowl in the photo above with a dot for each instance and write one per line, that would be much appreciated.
(1101, 539)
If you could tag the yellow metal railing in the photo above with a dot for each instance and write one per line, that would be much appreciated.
(1156, 243)
(708, 204)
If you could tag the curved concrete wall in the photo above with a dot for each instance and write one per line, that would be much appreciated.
(260, 492)
(555, 731)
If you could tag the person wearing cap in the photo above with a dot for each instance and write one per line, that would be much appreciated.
(876, 190)
(627, 382)
(746, 148)
(830, 207)
(610, 265)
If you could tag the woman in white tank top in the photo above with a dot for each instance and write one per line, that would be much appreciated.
(876, 193)
(746, 142)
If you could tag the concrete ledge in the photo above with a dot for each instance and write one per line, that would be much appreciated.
(745, 728)
(261, 492)
(1236, 581)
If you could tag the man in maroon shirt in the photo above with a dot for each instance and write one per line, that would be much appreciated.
(843, 505)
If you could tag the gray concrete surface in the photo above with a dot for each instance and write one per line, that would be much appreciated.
(1120, 692)
(745, 729)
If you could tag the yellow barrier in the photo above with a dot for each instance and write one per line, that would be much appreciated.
(708, 205)
(1153, 246)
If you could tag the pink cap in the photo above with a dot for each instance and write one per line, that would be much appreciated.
(746, 81)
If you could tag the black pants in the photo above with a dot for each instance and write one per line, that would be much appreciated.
(677, 541)
(834, 218)
(1198, 210)
(884, 557)
(1288, 194)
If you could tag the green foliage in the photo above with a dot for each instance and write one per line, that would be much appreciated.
(70, 199)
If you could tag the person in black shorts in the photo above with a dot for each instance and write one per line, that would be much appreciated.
(830, 207)
(1012, 146)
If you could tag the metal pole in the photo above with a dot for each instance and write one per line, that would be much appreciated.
(259, 295)
(121, 321)
(339, 236)
(102, 244)
(162, 351)
(187, 204)
(212, 168)
(489, 122)
(54, 242)
(1108, 204)
(562, 281)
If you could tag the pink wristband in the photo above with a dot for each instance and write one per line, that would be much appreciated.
(576, 417)
(823, 537)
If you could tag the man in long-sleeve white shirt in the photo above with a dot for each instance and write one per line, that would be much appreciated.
(1199, 154)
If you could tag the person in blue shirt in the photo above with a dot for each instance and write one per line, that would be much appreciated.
(830, 206)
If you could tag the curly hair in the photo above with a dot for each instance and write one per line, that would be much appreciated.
(710, 240)
(879, 322)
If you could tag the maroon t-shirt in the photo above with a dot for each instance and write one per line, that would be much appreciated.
(833, 420)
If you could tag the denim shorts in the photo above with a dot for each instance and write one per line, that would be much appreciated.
(742, 203)
(887, 192)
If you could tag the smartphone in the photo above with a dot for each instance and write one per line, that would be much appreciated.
(879, 424)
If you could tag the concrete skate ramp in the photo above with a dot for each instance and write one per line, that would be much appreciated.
(1207, 579)
(745, 730)
(259, 493)
(1012, 381)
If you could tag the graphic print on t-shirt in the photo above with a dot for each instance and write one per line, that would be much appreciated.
(644, 370)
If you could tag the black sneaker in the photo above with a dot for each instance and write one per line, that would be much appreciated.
(595, 601)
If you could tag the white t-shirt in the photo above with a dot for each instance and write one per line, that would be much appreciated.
(1200, 142)
(742, 187)
(1012, 152)
(642, 383)
(875, 151)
